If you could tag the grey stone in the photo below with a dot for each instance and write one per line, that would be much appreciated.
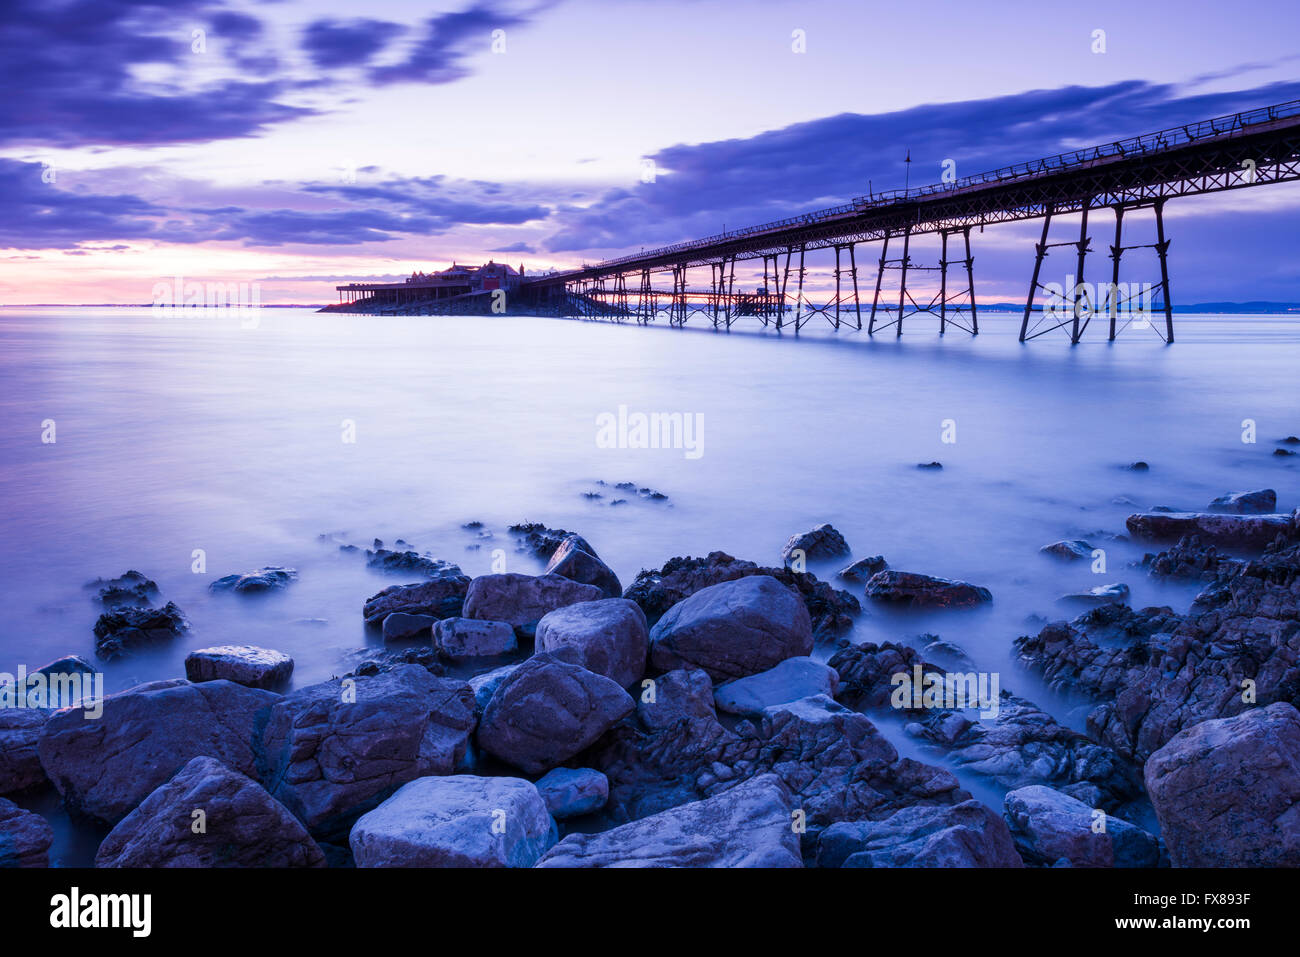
(610, 635)
(681, 695)
(963, 835)
(575, 560)
(246, 665)
(405, 626)
(523, 600)
(25, 838)
(925, 591)
(458, 638)
(818, 544)
(1050, 826)
(573, 792)
(1256, 502)
(791, 680)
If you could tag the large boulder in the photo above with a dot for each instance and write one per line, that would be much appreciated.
(573, 792)
(819, 544)
(462, 638)
(925, 591)
(243, 664)
(124, 631)
(1227, 791)
(336, 749)
(405, 626)
(458, 821)
(209, 816)
(963, 835)
(25, 838)
(441, 597)
(576, 560)
(791, 680)
(1256, 502)
(523, 600)
(1051, 827)
(749, 825)
(105, 767)
(547, 710)
(20, 764)
(1224, 530)
(733, 629)
(685, 694)
(610, 636)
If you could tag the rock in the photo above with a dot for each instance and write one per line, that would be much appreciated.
(104, 768)
(573, 792)
(681, 695)
(1049, 826)
(404, 626)
(408, 561)
(131, 589)
(523, 600)
(461, 638)
(547, 710)
(441, 597)
(269, 578)
(1291, 440)
(1227, 791)
(20, 765)
(1116, 593)
(580, 564)
(934, 648)
(964, 835)
(25, 838)
(749, 825)
(1139, 467)
(125, 631)
(456, 822)
(336, 749)
(820, 544)
(1228, 531)
(1258, 502)
(246, 665)
(925, 591)
(863, 569)
(831, 610)
(610, 635)
(930, 466)
(243, 826)
(733, 629)
(791, 680)
(542, 542)
(865, 672)
(485, 685)
(1190, 560)
(1283, 453)
(1071, 551)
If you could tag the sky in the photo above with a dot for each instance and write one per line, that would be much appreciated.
(298, 144)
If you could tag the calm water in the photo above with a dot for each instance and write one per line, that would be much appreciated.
(197, 433)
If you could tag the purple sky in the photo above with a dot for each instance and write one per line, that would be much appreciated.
(297, 145)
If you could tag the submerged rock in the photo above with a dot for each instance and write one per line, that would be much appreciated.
(1072, 551)
(964, 835)
(925, 591)
(387, 560)
(126, 631)
(733, 629)
(1226, 790)
(575, 560)
(749, 825)
(269, 578)
(1116, 593)
(523, 600)
(1230, 531)
(25, 838)
(791, 680)
(441, 597)
(861, 570)
(242, 825)
(247, 665)
(1051, 827)
(131, 589)
(1258, 502)
(820, 544)
(458, 821)
(542, 542)
(573, 792)
(1190, 560)
(609, 634)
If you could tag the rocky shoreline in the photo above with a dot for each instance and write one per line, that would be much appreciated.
(688, 720)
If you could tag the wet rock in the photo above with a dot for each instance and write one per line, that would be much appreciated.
(269, 578)
(746, 826)
(964, 835)
(681, 695)
(104, 768)
(243, 826)
(579, 564)
(610, 635)
(410, 562)
(547, 710)
(820, 544)
(573, 792)
(866, 671)
(441, 597)
(933, 648)
(1226, 790)
(132, 589)
(1139, 467)
(25, 838)
(462, 638)
(336, 749)
(1191, 560)
(863, 569)
(831, 610)
(1050, 827)
(374, 662)
(925, 591)
(733, 629)
(523, 600)
(247, 665)
(1116, 593)
(459, 821)
(125, 631)
(1227, 531)
(484, 686)
(20, 765)
(405, 626)
(1258, 502)
(1283, 453)
(930, 466)
(542, 542)
(1071, 551)
(791, 680)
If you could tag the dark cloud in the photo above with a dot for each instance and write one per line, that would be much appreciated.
(514, 248)
(827, 161)
(341, 43)
(448, 38)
